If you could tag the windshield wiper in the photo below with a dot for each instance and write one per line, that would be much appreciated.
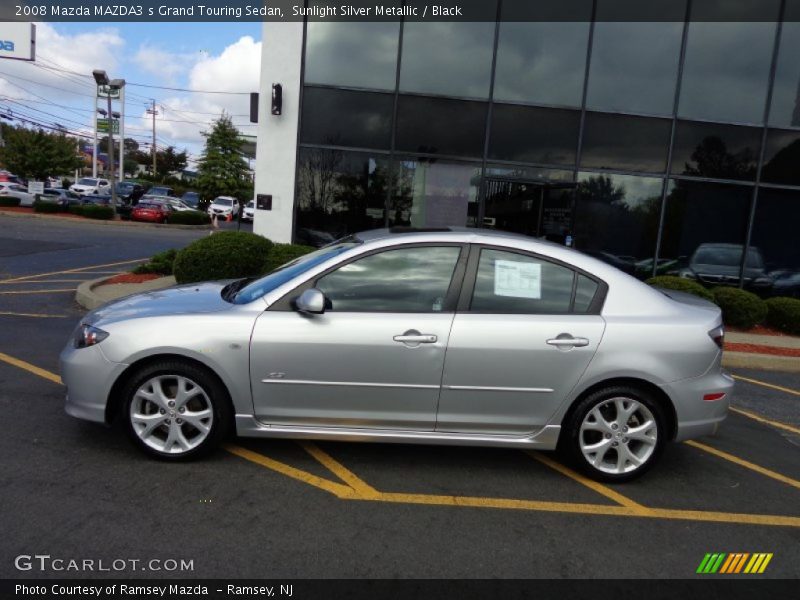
(229, 291)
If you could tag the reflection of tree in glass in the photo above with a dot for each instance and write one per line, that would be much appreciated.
(712, 159)
(600, 189)
(783, 167)
(316, 178)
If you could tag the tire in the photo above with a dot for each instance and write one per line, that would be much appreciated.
(186, 419)
(615, 448)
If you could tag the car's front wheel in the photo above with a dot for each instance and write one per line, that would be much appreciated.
(175, 410)
(616, 433)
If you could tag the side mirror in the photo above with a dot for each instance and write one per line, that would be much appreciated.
(311, 301)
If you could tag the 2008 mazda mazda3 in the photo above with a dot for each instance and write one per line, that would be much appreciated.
(429, 336)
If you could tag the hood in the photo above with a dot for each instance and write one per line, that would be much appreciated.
(179, 300)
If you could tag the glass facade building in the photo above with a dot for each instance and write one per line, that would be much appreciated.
(665, 147)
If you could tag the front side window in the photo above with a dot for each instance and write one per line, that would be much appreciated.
(401, 280)
(511, 283)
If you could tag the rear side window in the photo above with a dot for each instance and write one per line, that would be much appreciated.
(511, 283)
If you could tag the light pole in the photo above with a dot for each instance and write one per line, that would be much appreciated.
(114, 84)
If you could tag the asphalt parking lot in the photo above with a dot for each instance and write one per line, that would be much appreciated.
(288, 509)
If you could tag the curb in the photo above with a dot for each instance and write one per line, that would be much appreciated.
(119, 223)
(88, 299)
(766, 362)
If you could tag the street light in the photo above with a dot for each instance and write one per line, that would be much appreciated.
(101, 77)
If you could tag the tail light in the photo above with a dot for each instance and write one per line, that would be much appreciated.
(718, 335)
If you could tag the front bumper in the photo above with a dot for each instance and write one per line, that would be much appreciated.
(88, 376)
(697, 417)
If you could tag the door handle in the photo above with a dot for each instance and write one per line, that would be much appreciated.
(415, 337)
(567, 342)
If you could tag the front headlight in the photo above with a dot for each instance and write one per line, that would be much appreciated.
(87, 335)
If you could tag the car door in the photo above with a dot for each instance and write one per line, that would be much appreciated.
(374, 358)
(525, 332)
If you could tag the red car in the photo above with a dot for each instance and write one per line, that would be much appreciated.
(154, 212)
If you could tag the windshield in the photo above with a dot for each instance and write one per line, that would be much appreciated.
(289, 271)
(86, 181)
(223, 201)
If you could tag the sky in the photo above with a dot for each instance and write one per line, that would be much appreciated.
(58, 87)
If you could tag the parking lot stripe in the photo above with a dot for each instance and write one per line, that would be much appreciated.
(30, 368)
(745, 463)
(337, 489)
(326, 460)
(760, 419)
(36, 315)
(38, 291)
(591, 484)
(769, 385)
(43, 281)
(76, 270)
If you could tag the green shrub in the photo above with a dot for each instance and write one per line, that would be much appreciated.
(784, 314)
(161, 263)
(223, 255)
(42, 206)
(94, 211)
(280, 254)
(188, 217)
(9, 201)
(739, 307)
(680, 284)
(76, 209)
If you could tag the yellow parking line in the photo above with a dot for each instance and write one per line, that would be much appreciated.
(337, 489)
(354, 481)
(44, 281)
(591, 484)
(38, 291)
(76, 270)
(745, 463)
(36, 315)
(30, 368)
(760, 419)
(768, 385)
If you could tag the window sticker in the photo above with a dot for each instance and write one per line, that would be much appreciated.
(518, 279)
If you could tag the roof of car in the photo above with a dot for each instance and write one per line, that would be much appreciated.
(447, 232)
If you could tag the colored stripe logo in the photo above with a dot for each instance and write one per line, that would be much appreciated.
(734, 562)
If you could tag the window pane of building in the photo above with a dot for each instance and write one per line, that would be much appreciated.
(335, 54)
(448, 58)
(726, 71)
(510, 283)
(617, 220)
(540, 135)
(782, 157)
(718, 151)
(441, 126)
(521, 173)
(434, 194)
(774, 242)
(346, 118)
(704, 231)
(785, 110)
(541, 63)
(634, 67)
(625, 142)
(402, 280)
(339, 193)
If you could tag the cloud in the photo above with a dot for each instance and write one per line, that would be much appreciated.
(164, 65)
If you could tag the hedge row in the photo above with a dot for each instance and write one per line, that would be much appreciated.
(42, 206)
(188, 217)
(223, 255)
(93, 211)
(161, 263)
(784, 314)
(9, 201)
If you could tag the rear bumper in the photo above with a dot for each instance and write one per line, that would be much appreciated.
(697, 417)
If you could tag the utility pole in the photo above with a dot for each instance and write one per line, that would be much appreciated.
(154, 112)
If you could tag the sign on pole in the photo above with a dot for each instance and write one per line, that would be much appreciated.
(36, 187)
(17, 40)
(105, 91)
(102, 125)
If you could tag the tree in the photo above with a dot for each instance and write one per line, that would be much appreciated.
(222, 171)
(168, 161)
(130, 144)
(37, 154)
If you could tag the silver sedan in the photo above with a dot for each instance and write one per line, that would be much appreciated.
(428, 336)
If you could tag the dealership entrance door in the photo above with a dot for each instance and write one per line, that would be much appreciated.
(535, 208)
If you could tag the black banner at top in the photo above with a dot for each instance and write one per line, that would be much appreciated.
(394, 10)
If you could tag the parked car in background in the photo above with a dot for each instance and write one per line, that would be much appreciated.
(160, 190)
(224, 207)
(719, 264)
(62, 197)
(10, 177)
(249, 212)
(471, 337)
(152, 211)
(191, 199)
(90, 185)
(15, 190)
(53, 182)
(786, 283)
(130, 191)
(98, 199)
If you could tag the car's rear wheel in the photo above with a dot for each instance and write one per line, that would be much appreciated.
(176, 410)
(616, 433)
